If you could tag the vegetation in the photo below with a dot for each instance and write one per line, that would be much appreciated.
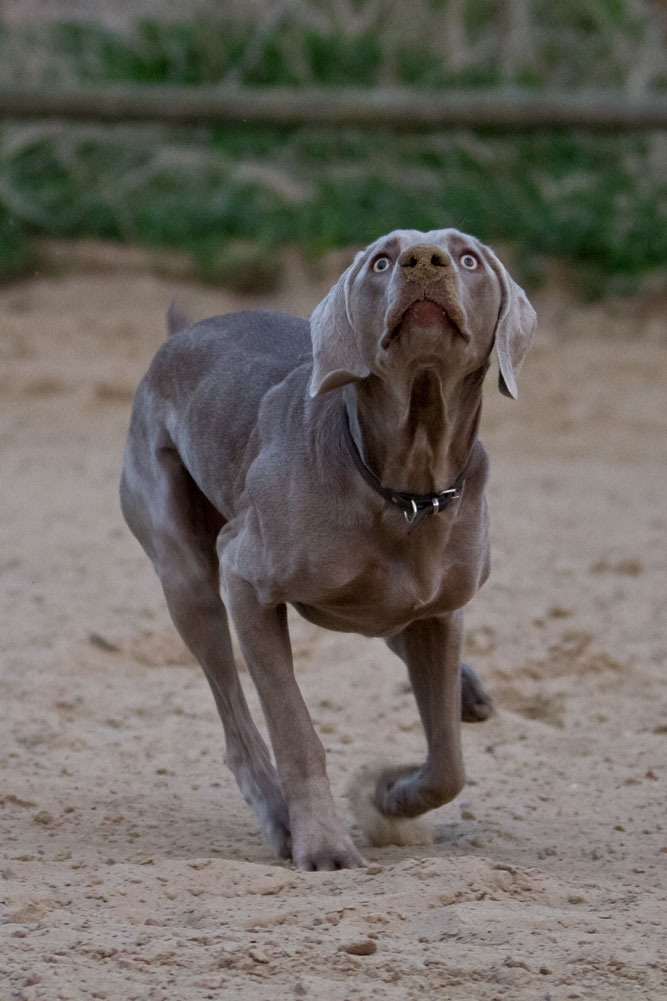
(230, 194)
(427, 43)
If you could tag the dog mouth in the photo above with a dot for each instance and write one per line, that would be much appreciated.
(424, 313)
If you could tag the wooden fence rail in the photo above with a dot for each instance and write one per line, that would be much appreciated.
(398, 108)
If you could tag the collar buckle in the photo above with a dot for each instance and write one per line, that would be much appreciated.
(415, 507)
(434, 505)
(411, 513)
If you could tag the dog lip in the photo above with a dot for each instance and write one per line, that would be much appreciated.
(426, 312)
(395, 324)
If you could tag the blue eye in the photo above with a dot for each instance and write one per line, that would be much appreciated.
(469, 262)
(381, 264)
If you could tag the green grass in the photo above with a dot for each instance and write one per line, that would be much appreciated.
(598, 201)
(15, 248)
(231, 195)
(427, 43)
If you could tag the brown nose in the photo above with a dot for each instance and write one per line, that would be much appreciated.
(424, 263)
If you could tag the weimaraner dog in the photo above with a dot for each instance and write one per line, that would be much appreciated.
(332, 465)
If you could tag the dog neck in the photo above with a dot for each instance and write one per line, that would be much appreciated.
(419, 436)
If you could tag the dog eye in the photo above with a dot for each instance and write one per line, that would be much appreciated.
(469, 261)
(381, 264)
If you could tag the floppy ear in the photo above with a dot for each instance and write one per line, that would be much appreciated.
(515, 329)
(336, 357)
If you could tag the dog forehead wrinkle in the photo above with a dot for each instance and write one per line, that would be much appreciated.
(390, 245)
(402, 239)
(446, 234)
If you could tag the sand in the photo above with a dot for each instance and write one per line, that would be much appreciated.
(131, 867)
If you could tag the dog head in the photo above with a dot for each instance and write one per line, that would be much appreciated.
(440, 298)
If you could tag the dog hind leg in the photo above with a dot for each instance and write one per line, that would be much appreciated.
(177, 527)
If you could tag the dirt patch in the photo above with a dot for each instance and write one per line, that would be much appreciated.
(131, 868)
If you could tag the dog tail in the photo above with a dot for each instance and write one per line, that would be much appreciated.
(176, 321)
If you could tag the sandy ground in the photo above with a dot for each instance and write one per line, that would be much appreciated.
(131, 868)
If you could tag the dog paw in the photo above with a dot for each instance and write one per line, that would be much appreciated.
(278, 835)
(379, 828)
(273, 816)
(320, 845)
(476, 703)
(328, 858)
(261, 790)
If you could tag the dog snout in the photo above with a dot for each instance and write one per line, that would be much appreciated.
(424, 263)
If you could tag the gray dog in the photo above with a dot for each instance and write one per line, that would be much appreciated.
(335, 466)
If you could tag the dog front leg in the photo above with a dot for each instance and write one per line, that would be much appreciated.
(318, 837)
(430, 650)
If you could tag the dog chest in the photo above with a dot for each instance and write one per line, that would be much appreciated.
(380, 595)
